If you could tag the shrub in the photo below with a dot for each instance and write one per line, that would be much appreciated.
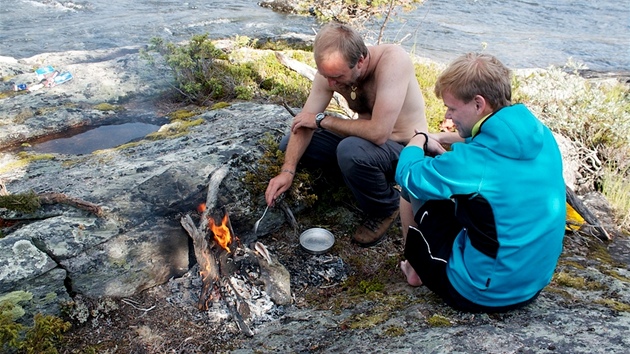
(595, 115)
(205, 74)
(41, 338)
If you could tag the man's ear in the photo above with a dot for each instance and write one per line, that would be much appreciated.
(360, 62)
(480, 103)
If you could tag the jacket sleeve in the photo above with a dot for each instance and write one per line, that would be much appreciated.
(432, 178)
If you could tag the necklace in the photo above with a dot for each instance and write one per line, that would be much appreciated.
(353, 94)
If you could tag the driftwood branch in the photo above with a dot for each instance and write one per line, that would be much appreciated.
(29, 202)
(592, 222)
(59, 198)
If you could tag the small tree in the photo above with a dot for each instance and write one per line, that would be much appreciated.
(360, 13)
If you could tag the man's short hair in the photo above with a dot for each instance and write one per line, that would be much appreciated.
(336, 37)
(477, 74)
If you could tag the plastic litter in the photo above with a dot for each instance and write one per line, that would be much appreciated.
(19, 87)
(47, 76)
(44, 72)
(63, 77)
(35, 87)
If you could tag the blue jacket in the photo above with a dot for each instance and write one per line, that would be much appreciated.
(510, 196)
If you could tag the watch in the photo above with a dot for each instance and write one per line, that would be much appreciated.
(318, 119)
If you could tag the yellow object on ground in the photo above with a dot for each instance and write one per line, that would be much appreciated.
(574, 219)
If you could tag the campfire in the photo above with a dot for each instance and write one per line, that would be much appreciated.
(241, 278)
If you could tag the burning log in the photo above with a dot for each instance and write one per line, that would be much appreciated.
(205, 258)
(211, 270)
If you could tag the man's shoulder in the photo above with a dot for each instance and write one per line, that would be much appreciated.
(391, 56)
(388, 48)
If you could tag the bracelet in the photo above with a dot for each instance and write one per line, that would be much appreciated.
(426, 139)
(288, 171)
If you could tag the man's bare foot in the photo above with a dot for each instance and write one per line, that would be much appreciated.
(412, 277)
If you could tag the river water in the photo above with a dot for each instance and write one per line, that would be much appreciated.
(522, 33)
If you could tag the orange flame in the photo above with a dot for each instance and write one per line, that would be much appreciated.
(201, 208)
(208, 263)
(221, 233)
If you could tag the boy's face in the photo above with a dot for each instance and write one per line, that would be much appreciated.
(464, 115)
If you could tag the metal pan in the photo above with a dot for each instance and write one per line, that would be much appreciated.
(317, 240)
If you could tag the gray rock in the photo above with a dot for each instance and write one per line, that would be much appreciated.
(104, 76)
(143, 190)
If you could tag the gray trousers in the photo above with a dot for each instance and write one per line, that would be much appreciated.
(367, 169)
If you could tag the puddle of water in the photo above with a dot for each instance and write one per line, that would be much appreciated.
(103, 137)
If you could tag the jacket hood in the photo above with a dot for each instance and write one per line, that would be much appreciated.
(513, 132)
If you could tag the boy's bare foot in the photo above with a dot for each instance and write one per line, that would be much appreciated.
(412, 277)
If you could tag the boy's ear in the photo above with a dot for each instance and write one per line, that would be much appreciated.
(480, 103)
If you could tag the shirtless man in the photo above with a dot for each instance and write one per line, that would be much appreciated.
(380, 85)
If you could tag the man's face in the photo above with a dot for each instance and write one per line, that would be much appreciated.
(335, 69)
(463, 115)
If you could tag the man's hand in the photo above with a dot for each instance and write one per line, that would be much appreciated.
(303, 120)
(277, 186)
(434, 147)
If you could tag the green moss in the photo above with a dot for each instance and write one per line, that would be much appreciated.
(23, 115)
(439, 321)
(220, 105)
(45, 334)
(282, 45)
(40, 338)
(9, 304)
(369, 320)
(11, 93)
(614, 274)
(107, 107)
(24, 159)
(599, 251)
(280, 84)
(572, 264)
(368, 286)
(269, 166)
(614, 304)
(562, 292)
(386, 307)
(179, 128)
(394, 331)
(10, 331)
(25, 202)
(182, 114)
(576, 282)
(121, 147)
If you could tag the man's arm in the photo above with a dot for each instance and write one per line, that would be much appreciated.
(392, 76)
(300, 138)
(446, 139)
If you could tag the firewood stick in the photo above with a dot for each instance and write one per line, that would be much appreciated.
(237, 316)
(205, 259)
